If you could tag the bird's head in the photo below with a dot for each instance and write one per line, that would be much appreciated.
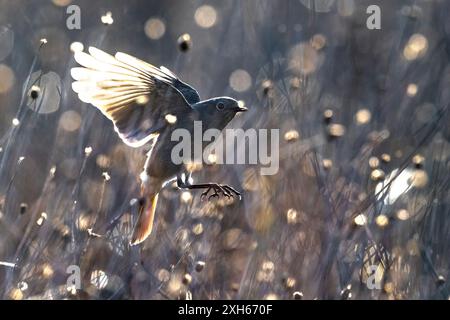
(219, 111)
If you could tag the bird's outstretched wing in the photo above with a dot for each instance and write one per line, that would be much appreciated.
(139, 98)
(189, 93)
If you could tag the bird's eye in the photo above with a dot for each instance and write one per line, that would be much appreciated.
(220, 106)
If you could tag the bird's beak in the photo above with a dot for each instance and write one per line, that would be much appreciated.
(241, 109)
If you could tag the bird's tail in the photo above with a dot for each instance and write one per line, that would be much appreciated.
(144, 224)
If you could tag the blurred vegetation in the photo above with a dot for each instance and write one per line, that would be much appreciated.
(364, 159)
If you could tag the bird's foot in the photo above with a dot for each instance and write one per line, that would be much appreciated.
(218, 190)
(215, 189)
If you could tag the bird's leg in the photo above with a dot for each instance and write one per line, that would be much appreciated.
(218, 189)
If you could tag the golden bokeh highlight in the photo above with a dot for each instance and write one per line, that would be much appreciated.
(240, 80)
(336, 130)
(205, 16)
(212, 158)
(197, 229)
(41, 219)
(186, 197)
(318, 41)
(328, 114)
(290, 282)
(418, 159)
(47, 270)
(382, 220)
(411, 90)
(170, 118)
(303, 58)
(103, 161)
(291, 135)
(16, 294)
(163, 275)
(363, 116)
(271, 296)
(292, 216)
(193, 166)
(403, 214)
(327, 164)
(386, 158)
(374, 162)
(416, 47)
(419, 179)
(360, 220)
(154, 28)
(7, 78)
(61, 3)
(377, 175)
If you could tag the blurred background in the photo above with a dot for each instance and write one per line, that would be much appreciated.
(358, 210)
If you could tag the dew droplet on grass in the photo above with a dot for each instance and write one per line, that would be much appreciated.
(291, 135)
(199, 266)
(106, 176)
(88, 151)
(107, 18)
(197, 229)
(23, 208)
(327, 115)
(41, 219)
(360, 220)
(44, 92)
(34, 92)
(184, 42)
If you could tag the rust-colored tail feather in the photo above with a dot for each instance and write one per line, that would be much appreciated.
(144, 224)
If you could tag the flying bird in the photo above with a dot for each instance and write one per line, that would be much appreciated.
(146, 104)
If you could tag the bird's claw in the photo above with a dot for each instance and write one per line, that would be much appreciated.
(219, 190)
(205, 194)
(213, 196)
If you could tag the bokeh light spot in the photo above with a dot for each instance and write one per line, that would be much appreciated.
(416, 47)
(70, 121)
(205, 16)
(240, 80)
(154, 28)
(7, 78)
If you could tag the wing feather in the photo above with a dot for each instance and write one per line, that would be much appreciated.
(135, 95)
